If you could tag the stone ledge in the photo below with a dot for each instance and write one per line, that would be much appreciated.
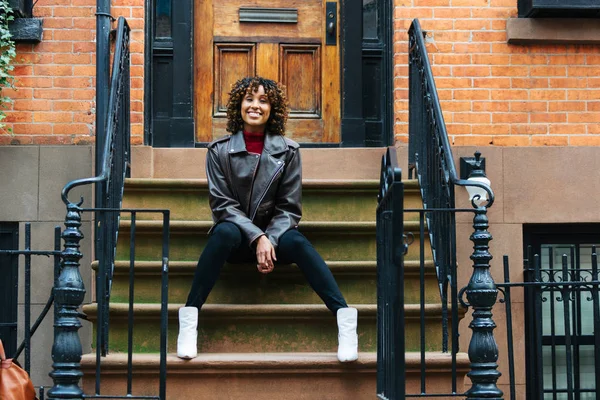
(553, 31)
(26, 30)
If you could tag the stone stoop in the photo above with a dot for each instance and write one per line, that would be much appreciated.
(264, 337)
(269, 376)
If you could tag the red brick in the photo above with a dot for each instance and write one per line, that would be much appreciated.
(52, 139)
(71, 129)
(54, 94)
(548, 118)
(32, 105)
(52, 117)
(529, 106)
(491, 129)
(585, 94)
(53, 70)
(472, 140)
(545, 140)
(567, 129)
(554, 106)
(72, 106)
(494, 106)
(511, 140)
(584, 140)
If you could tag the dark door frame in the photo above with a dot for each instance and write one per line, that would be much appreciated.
(367, 108)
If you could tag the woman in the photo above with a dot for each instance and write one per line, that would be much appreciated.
(255, 192)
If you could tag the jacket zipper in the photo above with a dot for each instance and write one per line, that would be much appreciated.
(266, 190)
(252, 184)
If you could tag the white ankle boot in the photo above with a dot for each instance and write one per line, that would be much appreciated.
(347, 337)
(188, 333)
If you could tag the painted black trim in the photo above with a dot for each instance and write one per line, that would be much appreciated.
(148, 70)
(9, 286)
(353, 124)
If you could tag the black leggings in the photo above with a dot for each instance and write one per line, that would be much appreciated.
(227, 243)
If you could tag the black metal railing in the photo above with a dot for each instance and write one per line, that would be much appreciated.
(562, 326)
(28, 329)
(430, 158)
(390, 280)
(110, 180)
(69, 289)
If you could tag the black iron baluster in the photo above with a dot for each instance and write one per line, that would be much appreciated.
(164, 304)
(422, 299)
(69, 294)
(537, 323)
(27, 297)
(596, 306)
(566, 297)
(509, 330)
(131, 301)
(551, 278)
(481, 294)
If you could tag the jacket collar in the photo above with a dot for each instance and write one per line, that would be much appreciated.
(274, 144)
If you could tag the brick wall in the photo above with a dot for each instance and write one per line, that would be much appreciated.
(493, 93)
(55, 79)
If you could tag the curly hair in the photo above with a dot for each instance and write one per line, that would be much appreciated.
(275, 93)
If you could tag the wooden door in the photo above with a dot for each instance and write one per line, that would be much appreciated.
(297, 54)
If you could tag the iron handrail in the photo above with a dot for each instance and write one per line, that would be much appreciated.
(120, 64)
(430, 156)
(111, 179)
(419, 58)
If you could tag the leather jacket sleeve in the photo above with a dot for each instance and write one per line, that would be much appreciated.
(288, 201)
(223, 204)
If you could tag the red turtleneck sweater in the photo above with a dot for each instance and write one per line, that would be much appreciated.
(255, 141)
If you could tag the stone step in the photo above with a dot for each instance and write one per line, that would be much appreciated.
(242, 284)
(267, 376)
(340, 241)
(322, 200)
(251, 328)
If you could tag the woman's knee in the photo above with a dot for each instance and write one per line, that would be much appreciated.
(292, 241)
(227, 232)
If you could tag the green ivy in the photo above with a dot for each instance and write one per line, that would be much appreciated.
(7, 54)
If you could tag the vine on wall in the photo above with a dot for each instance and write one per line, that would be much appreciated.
(7, 54)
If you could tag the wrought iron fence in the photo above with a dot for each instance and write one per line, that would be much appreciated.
(69, 289)
(562, 327)
(431, 160)
(390, 280)
(28, 329)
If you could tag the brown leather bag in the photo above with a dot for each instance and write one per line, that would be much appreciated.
(14, 381)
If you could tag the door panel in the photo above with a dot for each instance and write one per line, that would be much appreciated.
(294, 54)
(232, 60)
(301, 74)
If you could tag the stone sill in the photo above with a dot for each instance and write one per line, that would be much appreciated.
(553, 31)
(26, 30)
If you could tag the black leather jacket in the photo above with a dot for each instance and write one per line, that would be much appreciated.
(259, 197)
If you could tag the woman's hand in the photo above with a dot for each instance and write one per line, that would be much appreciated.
(265, 255)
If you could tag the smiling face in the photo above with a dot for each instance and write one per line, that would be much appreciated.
(255, 110)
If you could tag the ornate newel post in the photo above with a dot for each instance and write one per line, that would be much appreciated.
(69, 292)
(481, 295)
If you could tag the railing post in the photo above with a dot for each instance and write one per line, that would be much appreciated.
(68, 296)
(481, 295)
